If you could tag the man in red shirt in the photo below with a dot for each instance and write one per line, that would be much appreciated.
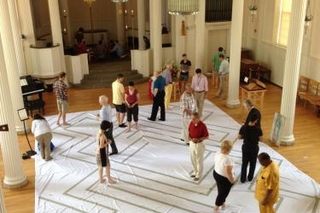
(198, 132)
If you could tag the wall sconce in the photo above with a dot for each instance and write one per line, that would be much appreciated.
(308, 18)
(253, 8)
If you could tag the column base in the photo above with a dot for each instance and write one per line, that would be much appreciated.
(15, 184)
(232, 104)
(287, 140)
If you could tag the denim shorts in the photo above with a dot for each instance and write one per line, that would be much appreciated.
(183, 77)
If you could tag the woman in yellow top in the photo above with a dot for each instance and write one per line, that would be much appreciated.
(267, 186)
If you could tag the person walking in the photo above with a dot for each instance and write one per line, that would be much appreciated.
(215, 67)
(185, 67)
(251, 135)
(158, 98)
(42, 133)
(200, 88)
(267, 185)
(188, 106)
(168, 89)
(223, 174)
(118, 99)
(105, 114)
(61, 91)
(132, 98)
(198, 132)
(223, 78)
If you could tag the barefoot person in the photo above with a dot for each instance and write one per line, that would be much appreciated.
(105, 114)
(61, 92)
(223, 174)
(132, 97)
(118, 99)
(102, 152)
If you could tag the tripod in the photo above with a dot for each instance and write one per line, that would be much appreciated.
(23, 115)
(31, 152)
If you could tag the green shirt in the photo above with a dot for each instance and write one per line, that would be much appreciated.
(215, 61)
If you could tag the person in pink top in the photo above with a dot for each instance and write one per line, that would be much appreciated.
(200, 88)
(132, 97)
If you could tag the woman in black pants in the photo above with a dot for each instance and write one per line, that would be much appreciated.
(223, 174)
(132, 97)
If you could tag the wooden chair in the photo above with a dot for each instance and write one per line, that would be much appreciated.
(175, 90)
(312, 95)
(302, 88)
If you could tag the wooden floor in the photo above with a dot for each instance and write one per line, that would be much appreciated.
(304, 154)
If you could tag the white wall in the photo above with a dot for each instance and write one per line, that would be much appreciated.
(258, 36)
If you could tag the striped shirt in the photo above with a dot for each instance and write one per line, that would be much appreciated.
(187, 101)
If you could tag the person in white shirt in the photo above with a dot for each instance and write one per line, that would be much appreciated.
(223, 174)
(223, 78)
(42, 133)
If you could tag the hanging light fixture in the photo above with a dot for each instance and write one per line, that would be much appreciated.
(183, 7)
(119, 1)
(253, 8)
(89, 2)
(309, 17)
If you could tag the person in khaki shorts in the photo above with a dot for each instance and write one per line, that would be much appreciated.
(61, 92)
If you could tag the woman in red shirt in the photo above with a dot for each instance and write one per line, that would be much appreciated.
(132, 97)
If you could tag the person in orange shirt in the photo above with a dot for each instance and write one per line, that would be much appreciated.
(267, 186)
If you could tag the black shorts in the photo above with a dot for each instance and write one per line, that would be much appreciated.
(120, 108)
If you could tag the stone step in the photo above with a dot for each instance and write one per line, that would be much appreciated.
(107, 84)
(101, 75)
(104, 73)
(110, 76)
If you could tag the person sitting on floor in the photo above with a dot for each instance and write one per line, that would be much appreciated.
(100, 51)
(116, 50)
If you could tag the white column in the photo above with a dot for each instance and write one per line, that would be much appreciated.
(17, 38)
(141, 23)
(156, 40)
(200, 32)
(56, 29)
(14, 176)
(291, 69)
(120, 23)
(27, 30)
(67, 34)
(11, 64)
(235, 54)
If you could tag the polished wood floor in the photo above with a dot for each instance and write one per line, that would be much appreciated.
(304, 154)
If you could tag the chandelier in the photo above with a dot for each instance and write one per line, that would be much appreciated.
(183, 7)
(119, 1)
(89, 2)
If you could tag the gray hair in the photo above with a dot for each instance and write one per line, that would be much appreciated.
(103, 99)
(248, 103)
